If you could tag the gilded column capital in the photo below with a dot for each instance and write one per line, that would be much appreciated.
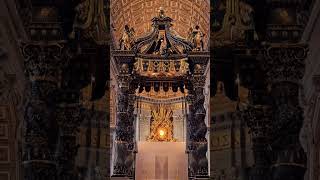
(284, 63)
(44, 61)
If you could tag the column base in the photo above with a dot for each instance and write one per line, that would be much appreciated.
(199, 178)
(120, 178)
(36, 169)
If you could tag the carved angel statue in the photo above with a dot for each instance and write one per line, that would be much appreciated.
(127, 39)
(89, 14)
(161, 12)
(196, 38)
(247, 18)
(246, 14)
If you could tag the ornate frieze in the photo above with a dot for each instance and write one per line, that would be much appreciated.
(154, 68)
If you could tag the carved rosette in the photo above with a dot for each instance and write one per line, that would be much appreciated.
(197, 130)
(258, 120)
(124, 131)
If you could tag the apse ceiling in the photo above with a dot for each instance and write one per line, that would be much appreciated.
(138, 14)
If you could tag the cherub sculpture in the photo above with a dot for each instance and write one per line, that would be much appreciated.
(196, 37)
(128, 38)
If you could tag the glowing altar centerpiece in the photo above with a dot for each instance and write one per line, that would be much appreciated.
(161, 125)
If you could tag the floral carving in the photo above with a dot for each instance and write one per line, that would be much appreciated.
(285, 63)
(44, 62)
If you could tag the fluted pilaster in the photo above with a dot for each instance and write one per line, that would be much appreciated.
(284, 67)
(43, 64)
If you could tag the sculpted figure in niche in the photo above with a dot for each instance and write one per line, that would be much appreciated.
(82, 11)
(196, 37)
(246, 14)
(127, 39)
(247, 21)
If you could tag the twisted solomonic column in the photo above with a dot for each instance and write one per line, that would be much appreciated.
(123, 152)
(197, 130)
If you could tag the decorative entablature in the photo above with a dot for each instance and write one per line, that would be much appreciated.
(162, 55)
(161, 67)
